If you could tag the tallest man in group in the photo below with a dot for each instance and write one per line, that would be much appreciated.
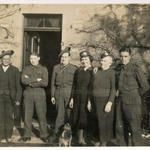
(132, 85)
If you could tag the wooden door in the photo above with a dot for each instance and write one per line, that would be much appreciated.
(31, 44)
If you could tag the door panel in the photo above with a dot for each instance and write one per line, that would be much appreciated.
(27, 48)
(31, 44)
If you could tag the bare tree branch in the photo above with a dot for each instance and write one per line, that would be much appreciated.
(83, 30)
(9, 13)
(8, 33)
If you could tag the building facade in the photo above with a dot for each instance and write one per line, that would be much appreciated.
(48, 28)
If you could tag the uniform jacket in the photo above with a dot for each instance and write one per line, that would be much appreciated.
(14, 83)
(132, 82)
(30, 75)
(131, 78)
(62, 78)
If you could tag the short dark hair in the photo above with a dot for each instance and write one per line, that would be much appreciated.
(125, 49)
(35, 54)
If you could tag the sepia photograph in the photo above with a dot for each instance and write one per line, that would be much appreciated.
(74, 74)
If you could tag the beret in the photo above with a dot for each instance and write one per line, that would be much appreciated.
(84, 54)
(8, 52)
(66, 50)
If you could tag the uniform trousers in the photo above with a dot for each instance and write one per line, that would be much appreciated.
(6, 117)
(63, 111)
(131, 115)
(35, 98)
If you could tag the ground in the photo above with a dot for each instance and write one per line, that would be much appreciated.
(37, 142)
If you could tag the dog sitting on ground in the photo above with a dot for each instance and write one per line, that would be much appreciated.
(65, 136)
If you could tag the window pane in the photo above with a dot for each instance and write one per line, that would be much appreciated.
(52, 22)
(33, 22)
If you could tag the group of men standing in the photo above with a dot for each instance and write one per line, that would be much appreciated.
(34, 78)
(130, 81)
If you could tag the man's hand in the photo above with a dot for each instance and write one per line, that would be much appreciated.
(26, 76)
(71, 103)
(89, 106)
(108, 106)
(17, 103)
(38, 79)
(53, 100)
(117, 93)
(95, 70)
(31, 85)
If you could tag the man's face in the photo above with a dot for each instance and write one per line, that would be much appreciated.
(65, 59)
(34, 60)
(6, 60)
(125, 57)
(85, 61)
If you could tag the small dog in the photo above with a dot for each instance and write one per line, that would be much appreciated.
(65, 136)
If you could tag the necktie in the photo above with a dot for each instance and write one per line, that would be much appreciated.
(121, 77)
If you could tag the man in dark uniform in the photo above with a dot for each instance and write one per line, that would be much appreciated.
(10, 95)
(61, 86)
(35, 78)
(132, 85)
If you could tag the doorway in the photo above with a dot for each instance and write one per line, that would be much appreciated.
(42, 33)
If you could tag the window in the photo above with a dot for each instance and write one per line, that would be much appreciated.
(42, 22)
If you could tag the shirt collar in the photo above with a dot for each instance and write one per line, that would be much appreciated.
(126, 66)
(37, 66)
(87, 68)
(63, 67)
(5, 68)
